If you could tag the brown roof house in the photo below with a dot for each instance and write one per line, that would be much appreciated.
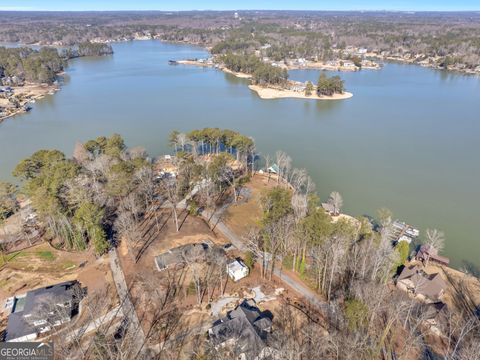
(429, 253)
(425, 287)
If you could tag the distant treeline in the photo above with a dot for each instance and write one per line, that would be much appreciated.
(448, 39)
(94, 49)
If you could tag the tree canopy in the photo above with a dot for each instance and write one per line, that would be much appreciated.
(328, 86)
(78, 198)
(8, 201)
(40, 66)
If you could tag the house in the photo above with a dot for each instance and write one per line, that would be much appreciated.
(237, 270)
(426, 287)
(348, 64)
(428, 253)
(187, 254)
(298, 88)
(329, 208)
(274, 169)
(244, 331)
(40, 310)
(435, 313)
(333, 63)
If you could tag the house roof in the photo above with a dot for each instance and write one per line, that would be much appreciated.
(328, 207)
(274, 168)
(246, 326)
(429, 285)
(38, 304)
(197, 252)
(236, 266)
(427, 251)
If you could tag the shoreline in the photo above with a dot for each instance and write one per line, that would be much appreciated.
(239, 75)
(28, 94)
(267, 93)
(290, 67)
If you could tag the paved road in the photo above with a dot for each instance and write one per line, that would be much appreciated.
(310, 295)
(127, 307)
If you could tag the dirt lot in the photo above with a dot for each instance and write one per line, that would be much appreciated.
(148, 285)
(247, 213)
(463, 289)
(43, 265)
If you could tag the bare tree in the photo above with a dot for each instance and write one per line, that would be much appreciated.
(171, 190)
(435, 238)
(335, 199)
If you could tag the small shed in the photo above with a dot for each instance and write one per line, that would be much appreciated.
(273, 169)
(237, 270)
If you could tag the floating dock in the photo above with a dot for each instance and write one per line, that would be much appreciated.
(404, 232)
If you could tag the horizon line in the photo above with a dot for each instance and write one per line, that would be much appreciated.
(239, 10)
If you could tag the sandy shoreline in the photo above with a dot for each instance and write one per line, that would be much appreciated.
(193, 62)
(269, 93)
(25, 95)
(237, 74)
(205, 64)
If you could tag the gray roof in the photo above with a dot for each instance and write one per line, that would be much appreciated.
(180, 255)
(246, 326)
(39, 304)
(328, 207)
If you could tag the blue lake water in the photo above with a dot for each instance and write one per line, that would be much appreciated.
(409, 139)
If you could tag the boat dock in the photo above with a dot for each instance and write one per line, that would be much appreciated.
(404, 232)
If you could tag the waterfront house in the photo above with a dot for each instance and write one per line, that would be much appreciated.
(426, 287)
(348, 64)
(40, 310)
(428, 253)
(237, 270)
(243, 331)
(333, 63)
(274, 169)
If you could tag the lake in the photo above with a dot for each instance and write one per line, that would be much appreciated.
(408, 140)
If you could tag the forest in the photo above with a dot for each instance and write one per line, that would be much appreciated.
(249, 64)
(449, 39)
(25, 64)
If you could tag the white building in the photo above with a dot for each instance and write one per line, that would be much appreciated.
(237, 270)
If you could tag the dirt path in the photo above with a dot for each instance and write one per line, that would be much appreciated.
(127, 307)
(310, 295)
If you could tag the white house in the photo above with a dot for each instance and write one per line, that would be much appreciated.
(237, 270)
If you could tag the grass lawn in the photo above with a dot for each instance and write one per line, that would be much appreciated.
(45, 255)
(4, 259)
(41, 258)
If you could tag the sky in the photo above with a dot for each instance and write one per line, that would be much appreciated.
(179, 5)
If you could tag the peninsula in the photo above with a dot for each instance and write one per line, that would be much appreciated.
(270, 81)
